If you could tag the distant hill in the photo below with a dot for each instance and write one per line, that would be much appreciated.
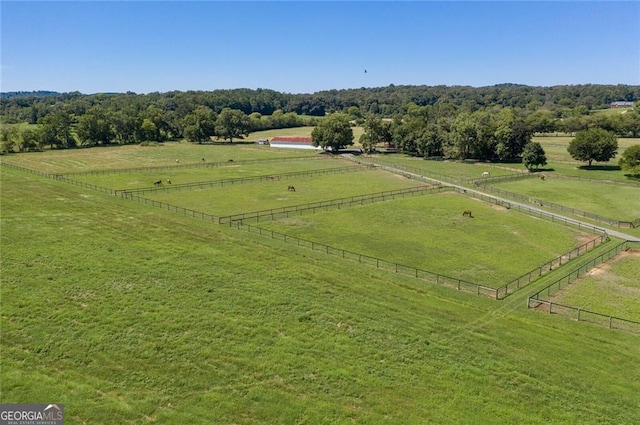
(38, 93)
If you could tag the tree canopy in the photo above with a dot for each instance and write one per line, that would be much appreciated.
(533, 155)
(630, 160)
(594, 144)
(333, 133)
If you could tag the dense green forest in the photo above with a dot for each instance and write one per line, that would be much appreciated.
(452, 121)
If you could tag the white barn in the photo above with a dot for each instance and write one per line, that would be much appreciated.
(295, 142)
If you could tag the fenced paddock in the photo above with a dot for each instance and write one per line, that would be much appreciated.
(430, 233)
(265, 194)
(547, 299)
(615, 204)
(144, 178)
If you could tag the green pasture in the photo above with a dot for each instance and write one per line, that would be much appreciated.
(180, 174)
(616, 201)
(130, 314)
(452, 169)
(560, 160)
(613, 288)
(240, 198)
(429, 232)
(138, 156)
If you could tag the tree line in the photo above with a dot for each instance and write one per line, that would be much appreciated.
(489, 123)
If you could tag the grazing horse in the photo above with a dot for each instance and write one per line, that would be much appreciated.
(168, 181)
(231, 160)
(291, 189)
(485, 174)
(158, 183)
(467, 213)
(542, 177)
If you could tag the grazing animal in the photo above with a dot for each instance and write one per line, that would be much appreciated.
(202, 159)
(168, 181)
(467, 213)
(231, 160)
(485, 174)
(158, 183)
(177, 160)
(542, 177)
(291, 189)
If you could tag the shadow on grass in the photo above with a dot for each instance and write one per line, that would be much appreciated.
(600, 167)
(633, 177)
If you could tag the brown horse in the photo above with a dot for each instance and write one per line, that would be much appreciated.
(467, 213)
(542, 177)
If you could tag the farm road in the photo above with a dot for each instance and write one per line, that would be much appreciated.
(611, 232)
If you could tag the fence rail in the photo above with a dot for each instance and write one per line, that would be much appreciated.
(534, 274)
(369, 260)
(192, 165)
(274, 213)
(554, 206)
(244, 180)
(540, 300)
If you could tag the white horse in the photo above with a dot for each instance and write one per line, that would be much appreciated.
(485, 174)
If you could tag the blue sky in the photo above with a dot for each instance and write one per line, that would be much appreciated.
(308, 46)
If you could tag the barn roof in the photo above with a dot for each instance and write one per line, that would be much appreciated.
(291, 139)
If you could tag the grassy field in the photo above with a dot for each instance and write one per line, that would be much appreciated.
(112, 306)
(430, 233)
(184, 174)
(614, 201)
(613, 288)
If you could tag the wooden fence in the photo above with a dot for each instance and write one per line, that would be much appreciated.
(540, 300)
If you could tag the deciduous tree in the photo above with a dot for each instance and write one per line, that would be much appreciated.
(630, 160)
(533, 155)
(594, 144)
(232, 123)
(334, 132)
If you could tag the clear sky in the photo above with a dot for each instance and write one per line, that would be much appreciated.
(308, 46)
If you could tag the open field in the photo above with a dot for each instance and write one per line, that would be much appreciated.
(447, 169)
(137, 156)
(235, 199)
(613, 288)
(203, 172)
(429, 232)
(614, 201)
(112, 306)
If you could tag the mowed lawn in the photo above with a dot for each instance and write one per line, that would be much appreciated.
(265, 195)
(429, 232)
(616, 201)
